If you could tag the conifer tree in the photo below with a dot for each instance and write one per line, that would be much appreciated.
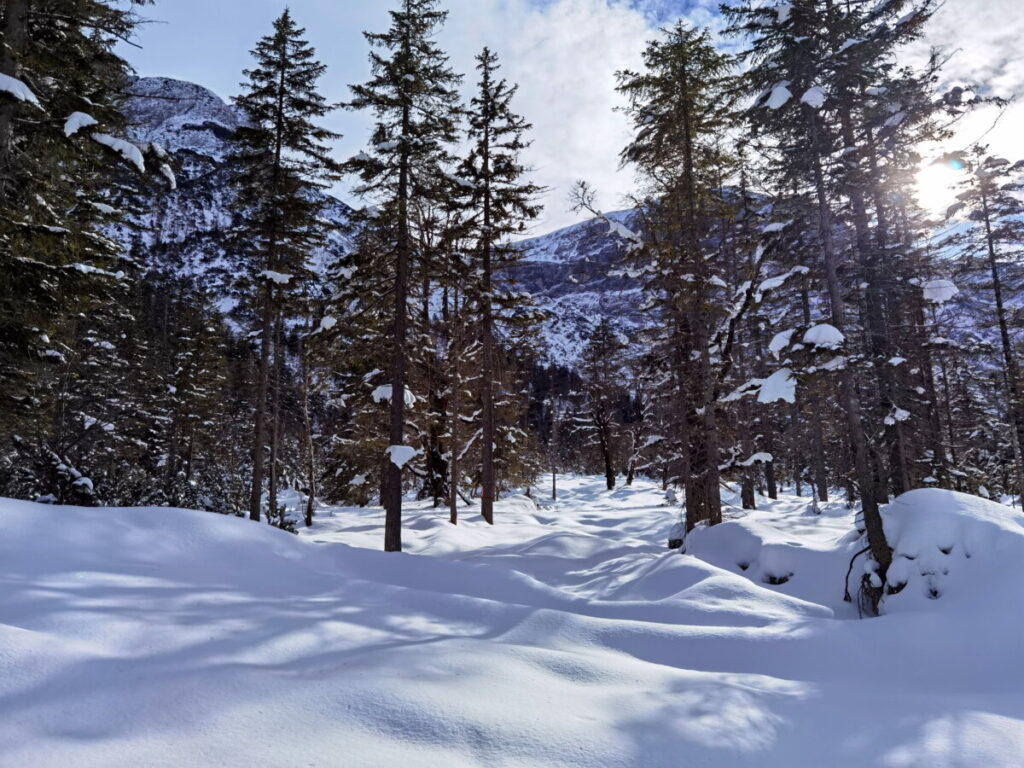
(601, 369)
(282, 165)
(502, 204)
(411, 95)
(678, 104)
(60, 80)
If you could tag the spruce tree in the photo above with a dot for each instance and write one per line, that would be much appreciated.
(59, 157)
(502, 204)
(282, 164)
(412, 96)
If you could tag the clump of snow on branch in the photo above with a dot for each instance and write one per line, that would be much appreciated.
(814, 97)
(401, 454)
(780, 341)
(939, 291)
(383, 394)
(824, 336)
(77, 121)
(126, 149)
(779, 386)
(779, 96)
(17, 89)
(278, 278)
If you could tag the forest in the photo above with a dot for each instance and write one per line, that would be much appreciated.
(731, 475)
(808, 324)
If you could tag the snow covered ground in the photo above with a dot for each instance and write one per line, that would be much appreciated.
(564, 636)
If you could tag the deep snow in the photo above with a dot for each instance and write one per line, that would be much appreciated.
(564, 636)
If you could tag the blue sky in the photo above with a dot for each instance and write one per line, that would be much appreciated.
(563, 53)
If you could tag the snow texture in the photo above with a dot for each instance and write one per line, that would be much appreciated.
(824, 336)
(383, 394)
(566, 636)
(126, 149)
(779, 96)
(401, 454)
(779, 386)
(814, 97)
(939, 291)
(780, 341)
(278, 278)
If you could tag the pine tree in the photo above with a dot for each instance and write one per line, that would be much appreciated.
(601, 369)
(59, 158)
(411, 94)
(502, 204)
(678, 106)
(282, 165)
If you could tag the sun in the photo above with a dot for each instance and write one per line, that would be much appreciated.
(936, 184)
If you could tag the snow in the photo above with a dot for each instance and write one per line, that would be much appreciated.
(565, 635)
(814, 97)
(780, 341)
(780, 94)
(953, 547)
(383, 394)
(278, 278)
(824, 336)
(126, 149)
(779, 386)
(16, 88)
(77, 121)
(401, 454)
(939, 291)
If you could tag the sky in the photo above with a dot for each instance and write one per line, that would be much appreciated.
(563, 53)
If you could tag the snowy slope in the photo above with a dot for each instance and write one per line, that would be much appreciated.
(563, 636)
(183, 231)
(577, 274)
(570, 272)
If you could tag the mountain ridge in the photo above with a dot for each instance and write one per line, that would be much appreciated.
(570, 272)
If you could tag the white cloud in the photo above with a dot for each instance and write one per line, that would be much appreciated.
(564, 56)
(563, 53)
(983, 41)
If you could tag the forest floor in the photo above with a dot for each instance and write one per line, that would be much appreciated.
(566, 635)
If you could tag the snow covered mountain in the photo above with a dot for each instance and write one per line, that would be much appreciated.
(570, 272)
(576, 274)
(182, 230)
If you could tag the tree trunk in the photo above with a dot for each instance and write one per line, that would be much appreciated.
(307, 428)
(487, 474)
(1012, 377)
(880, 550)
(273, 512)
(260, 417)
(392, 490)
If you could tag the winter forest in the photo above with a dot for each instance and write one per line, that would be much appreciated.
(311, 457)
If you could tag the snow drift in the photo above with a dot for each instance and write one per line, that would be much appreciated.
(564, 636)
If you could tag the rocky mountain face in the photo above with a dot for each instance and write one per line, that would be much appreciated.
(574, 273)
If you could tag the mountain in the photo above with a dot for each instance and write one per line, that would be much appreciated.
(571, 273)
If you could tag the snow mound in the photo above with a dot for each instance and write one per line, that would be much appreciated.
(965, 550)
(565, 636)
(787, 549)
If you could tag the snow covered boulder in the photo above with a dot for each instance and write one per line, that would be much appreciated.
(962, 549)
